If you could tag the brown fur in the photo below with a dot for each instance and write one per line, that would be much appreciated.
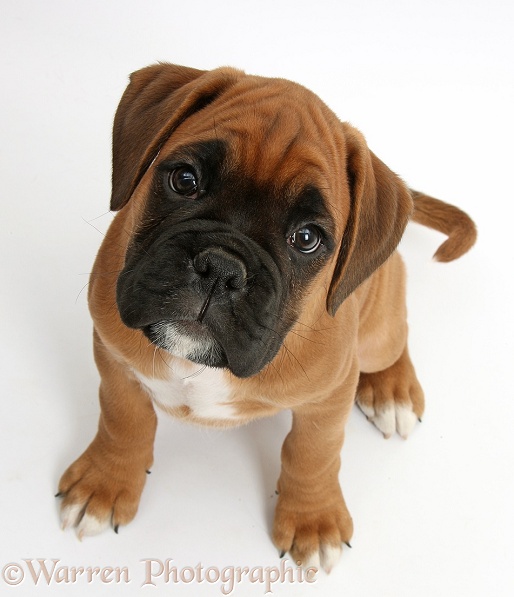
(351, 336)
(447, 219)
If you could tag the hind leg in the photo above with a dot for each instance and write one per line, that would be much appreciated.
(389, 393)
(392, 399)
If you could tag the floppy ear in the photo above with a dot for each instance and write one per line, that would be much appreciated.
(380, 208)
(157, 99)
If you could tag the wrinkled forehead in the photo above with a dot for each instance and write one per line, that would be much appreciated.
(277, 132)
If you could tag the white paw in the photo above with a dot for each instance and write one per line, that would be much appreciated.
(326, 557)
(391, 417)
(70, 515)
(312, 561)
(85, 524)
(405, 420)
(330, 555)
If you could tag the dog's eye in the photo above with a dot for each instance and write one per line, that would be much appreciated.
(306, 240)
(183, 181)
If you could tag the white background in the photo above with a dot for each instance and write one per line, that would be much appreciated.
(431, 86)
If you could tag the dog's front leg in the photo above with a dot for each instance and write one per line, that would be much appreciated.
(103, 487)
(311, 518)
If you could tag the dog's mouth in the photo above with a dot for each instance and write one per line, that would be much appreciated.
(204, 292)
(191, 340)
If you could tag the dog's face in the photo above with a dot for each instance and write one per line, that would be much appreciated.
(218, 267)
(246, 193)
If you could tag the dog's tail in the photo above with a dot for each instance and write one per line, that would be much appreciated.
(448, 219)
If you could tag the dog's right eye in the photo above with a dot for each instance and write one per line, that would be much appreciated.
(182, 181)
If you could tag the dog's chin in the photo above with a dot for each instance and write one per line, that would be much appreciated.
(188, 340)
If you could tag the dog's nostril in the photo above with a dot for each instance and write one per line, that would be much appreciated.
(235, 282)
(201, 264)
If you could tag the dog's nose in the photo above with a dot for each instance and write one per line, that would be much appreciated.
(222, 267)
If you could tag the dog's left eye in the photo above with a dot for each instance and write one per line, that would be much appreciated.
(183, 181)
(306, 240)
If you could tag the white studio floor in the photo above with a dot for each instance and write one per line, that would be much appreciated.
(431, 86)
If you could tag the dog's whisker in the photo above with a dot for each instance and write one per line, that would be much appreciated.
(294, 321)
(81, 291)
(166, 363)
(264, 373)
(153, 360)
(140, 347)
(94, 227)
(298, 335)
(291, 354)
(98, 217)
(196, 373)
(101, 274)
(104, 234)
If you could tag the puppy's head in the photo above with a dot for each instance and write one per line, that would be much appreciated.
(241, 192)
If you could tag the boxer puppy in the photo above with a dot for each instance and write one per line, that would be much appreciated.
(251, 268)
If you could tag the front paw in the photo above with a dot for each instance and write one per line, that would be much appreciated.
(99, 491)
(313, 536)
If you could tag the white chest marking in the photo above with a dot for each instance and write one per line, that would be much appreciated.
(206, 393)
